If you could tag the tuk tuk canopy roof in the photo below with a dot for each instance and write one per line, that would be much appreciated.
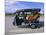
(28, 10)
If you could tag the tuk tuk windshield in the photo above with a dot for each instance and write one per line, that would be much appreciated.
(25, 13)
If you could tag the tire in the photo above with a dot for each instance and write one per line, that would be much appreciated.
(38, 26)
(14, 23)
(33, 26)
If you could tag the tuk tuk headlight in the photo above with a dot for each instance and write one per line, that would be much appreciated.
(20, 17)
